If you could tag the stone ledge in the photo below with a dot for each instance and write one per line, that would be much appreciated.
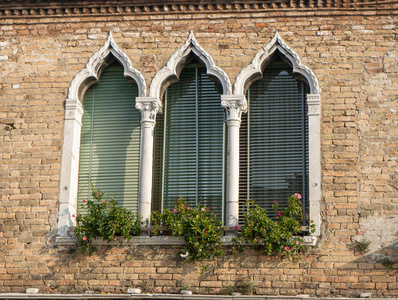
(158, 240)
(75, 8)
(162, 296)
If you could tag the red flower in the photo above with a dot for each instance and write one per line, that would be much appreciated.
(84, 238)
(236, 227)
(175, 210)
(73, 215)
(84, 201)
(104, 201)
(287, 248)
(280, 214)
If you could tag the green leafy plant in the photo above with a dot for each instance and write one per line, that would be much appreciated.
(362, 246)
(273, 237)
(229, 290)
(243, 286)
(199, 227)
(105, 219)
(387, 262)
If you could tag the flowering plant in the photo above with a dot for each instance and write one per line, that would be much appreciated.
(272, 237)
(199, 227)
(104, 218)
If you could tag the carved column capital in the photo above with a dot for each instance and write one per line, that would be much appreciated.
(149, 108)
(314, 104)
(73, 110)
(234, 105)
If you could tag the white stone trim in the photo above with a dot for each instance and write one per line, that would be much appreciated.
(253, 72)
(234, 106)
(176, 63)
(72, 126)
(97, 63)
(314, 148)
(149, 108)
(160, 241)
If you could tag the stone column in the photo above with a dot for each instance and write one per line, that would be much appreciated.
(149, 107)
(314, 124)
(70, 165)
(234, 105)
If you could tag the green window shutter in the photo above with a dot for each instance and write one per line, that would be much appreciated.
(274, 139)
(189, 144)
(110, 140)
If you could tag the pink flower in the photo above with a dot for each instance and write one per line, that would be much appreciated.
(84, 201)
(84, 238)
(175, 210)
(104, 201)
(115, 238)
(287, 248)
(73, 215)
(297, 242)
(255, 240)
(203, 209)
(280, 214)
(298, 195)
(236, 227)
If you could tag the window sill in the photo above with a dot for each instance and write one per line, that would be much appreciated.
(146, 240)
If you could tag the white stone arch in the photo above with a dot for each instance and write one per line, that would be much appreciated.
(254, 71)
(97, 63)
(107, 54)
(176, 63)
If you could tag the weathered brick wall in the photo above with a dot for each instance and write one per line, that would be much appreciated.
(352, 51)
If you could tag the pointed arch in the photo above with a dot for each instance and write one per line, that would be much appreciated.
(107, 54)
(176, 63)
(254, 70)
(97, 63)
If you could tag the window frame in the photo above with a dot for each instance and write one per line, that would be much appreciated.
(234, 103)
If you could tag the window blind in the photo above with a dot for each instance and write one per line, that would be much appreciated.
(189, 143)
(110, 141)
(274, 140)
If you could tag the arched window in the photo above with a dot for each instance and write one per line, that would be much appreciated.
(189, 159)
(110, 139)
(274, 142)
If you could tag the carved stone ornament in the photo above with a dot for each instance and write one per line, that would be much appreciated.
(234, 105)
(254, 71)
(149, 108)
(314, 104)
(36, 9)
(175, 64)
(97, 63)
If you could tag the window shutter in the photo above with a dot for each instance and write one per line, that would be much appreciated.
(189, 143)
(110, 141)
(274, 139)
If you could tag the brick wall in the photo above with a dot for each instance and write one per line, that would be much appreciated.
(352, 49)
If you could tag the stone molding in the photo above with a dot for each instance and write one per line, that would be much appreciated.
(31, 9)
(234, 105)
(176, 63)
(254, 71)
(158, 241)
(149, 108)
(97, 63)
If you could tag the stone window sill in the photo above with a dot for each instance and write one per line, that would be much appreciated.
(148, 240)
